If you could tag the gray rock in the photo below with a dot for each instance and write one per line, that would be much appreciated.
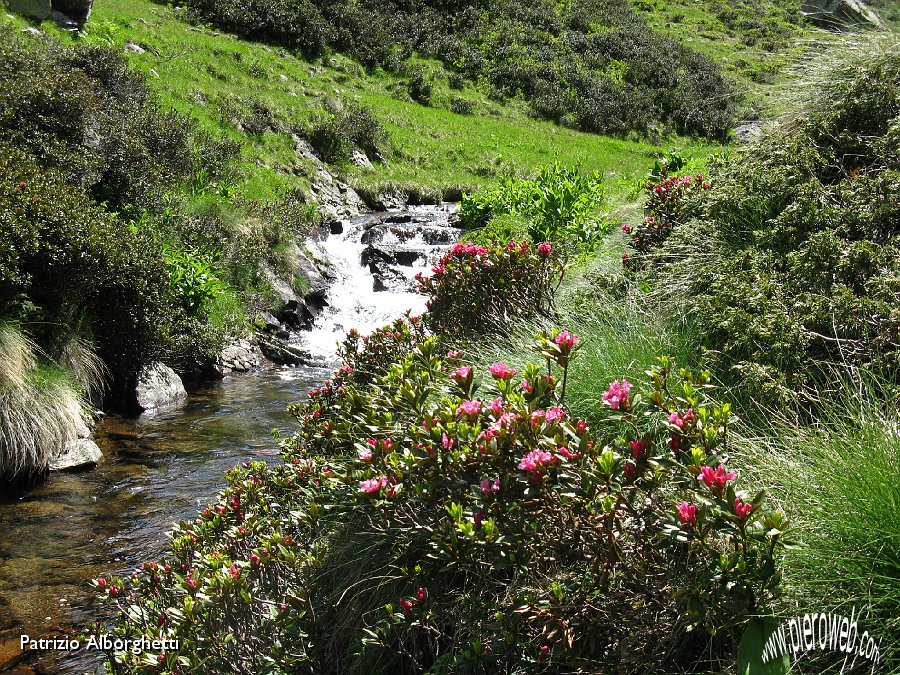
(840, 14)
(748, 133)
(35, 9)
(77, 454)
(240, 356)
(133, 48)
(158, 386)
(304, 149)
(359, 159)
(31, 30)
(337, 201)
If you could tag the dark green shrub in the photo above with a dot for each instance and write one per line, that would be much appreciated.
(420, 85)
(348, 127)
(623, 78)
(83, 111)
(63, 260)
(295, 23)
(793, 259)
(461, 106)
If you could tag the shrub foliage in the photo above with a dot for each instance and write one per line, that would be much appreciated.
(431, 518)
(593, 64)
(794, 258)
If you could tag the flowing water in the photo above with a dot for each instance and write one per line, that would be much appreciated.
(162, 468)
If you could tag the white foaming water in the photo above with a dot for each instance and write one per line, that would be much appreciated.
(353, 301)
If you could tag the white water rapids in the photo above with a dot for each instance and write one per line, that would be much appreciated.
(417, 235)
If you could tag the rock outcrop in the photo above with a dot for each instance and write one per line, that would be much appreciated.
(76, 11)
(337, 201)
(840, 14)
(158, 387)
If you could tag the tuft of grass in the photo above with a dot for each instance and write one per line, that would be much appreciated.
(837, 478)
(40, 407)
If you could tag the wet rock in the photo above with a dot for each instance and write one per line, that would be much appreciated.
(840, 14)
(35, 9)
(281, 351)
(240, 356)
(158, 386)
(78, 454)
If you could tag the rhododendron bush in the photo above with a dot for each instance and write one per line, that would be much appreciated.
(479, 288)
(435, 516)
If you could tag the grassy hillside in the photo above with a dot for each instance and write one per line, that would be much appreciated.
(260, 95)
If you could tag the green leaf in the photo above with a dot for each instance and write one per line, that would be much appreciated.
(752, 646)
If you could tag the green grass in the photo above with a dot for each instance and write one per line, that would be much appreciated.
(836, 478)
(224, 83)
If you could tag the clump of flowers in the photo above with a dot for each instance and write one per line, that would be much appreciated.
(667, 203)
(478, 485)
(479, 288)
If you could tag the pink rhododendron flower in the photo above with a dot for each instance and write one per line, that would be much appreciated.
(617, 394)
(537, 417)
(687, 513)
(365, 455)
(715, 479)
(234, 571)
(470, 408)
(580, 427)
(526, 387)
(501, 371)
(741, 509)
(545, 248)
(535, 460)
(372, 485)
(497, 406)
(454, 354)
(461, 374)
(567, 340)
(554, 414)
(406, 606)
(512, 246)
(639, 449)
(488, 486)
(626, 228)
(675, 419)
(568, 454)
(478, 519)
(507, 420)
(630, 472)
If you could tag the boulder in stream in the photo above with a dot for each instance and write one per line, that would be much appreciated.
(239, 356)
(78, 454)
(158, 387)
